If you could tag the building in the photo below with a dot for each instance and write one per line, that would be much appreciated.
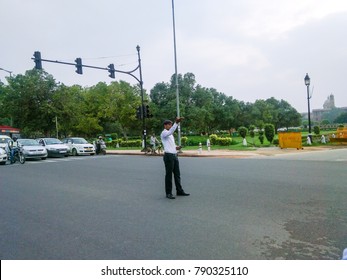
(318, 114)
(8, 130)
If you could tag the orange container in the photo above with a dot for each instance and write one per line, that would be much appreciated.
(290, 140)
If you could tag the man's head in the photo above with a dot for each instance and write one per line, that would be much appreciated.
(167, 124)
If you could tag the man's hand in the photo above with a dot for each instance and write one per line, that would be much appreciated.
(178, 120)
(178, 148)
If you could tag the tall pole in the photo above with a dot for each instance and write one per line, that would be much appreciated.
(175, 55)
(56, 126)
(309, 110)
(307, 83)
(142, 101)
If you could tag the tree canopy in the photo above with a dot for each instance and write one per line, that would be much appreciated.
(34, 101)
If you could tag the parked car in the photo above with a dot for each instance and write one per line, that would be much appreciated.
(3, 156)
(32, 148)
(79, 146)
(4, 139)
(54, 146)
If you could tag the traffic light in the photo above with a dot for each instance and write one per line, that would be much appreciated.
(138, 113)
(37, 59)
(147, 112)
(111, 70)
(79, 65)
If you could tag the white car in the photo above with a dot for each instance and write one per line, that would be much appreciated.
(79, 146)
(4, 139)
(32, 148)
(3, 156)
(54, 146)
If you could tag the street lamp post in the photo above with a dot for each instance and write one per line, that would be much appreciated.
(175, 55)
(307, 83)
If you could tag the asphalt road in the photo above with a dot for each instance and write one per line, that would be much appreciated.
(114, 207)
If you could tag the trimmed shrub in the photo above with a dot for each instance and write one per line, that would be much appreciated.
(224, 141)
(242, 131)
(261, 136)
(316, 130)
(184, 140)
(213, 139)
(124, 143)
(269, 132)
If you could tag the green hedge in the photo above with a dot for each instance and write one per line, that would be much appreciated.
(124, 143)
(222, 141)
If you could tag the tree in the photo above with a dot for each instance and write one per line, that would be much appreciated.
(325, 122)
(28, 99)
(242, 131)
(261, 132)
(332, 114)
(316, 130)
(67, 102)
(251, 132)
(342, 118)
(269, 132)
(33, 101)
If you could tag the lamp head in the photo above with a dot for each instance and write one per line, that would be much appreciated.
(307, 80)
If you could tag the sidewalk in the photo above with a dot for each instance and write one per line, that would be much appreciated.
(271, 151)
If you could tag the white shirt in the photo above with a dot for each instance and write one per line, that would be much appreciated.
(168, 140)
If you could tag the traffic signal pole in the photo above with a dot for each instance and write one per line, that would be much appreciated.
(144, 132)
(79, 66)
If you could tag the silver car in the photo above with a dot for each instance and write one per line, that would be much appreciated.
(4, 139)
(3, 156)
(32, 148)
(55, 147)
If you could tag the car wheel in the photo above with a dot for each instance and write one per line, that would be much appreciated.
(74, 152)
(44, 158)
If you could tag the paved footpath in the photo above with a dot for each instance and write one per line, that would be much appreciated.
(266, 152)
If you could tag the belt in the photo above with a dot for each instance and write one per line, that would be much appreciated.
(170, 154)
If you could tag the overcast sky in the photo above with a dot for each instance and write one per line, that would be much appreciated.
(248, 49)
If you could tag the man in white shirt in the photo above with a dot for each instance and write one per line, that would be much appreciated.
(171, 159)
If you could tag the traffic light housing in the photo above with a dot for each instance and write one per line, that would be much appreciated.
(138, 113)
(79, 65)
(111, 70)
(147, 112)
(37, 59)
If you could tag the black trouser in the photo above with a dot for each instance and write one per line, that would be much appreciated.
(172, 166)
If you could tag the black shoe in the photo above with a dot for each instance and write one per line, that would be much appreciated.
(182, 194)
(170, 196)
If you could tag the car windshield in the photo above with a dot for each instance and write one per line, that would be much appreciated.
(80, 141)
(4, 140)
(28, 142)
(53, 141)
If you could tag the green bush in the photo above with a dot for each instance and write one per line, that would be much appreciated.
(316, 130)
(269, 132)
(124, 143)
(224, 141)
(261, 137)
(184, 140)
(195, 140)
(213, 139)
(114, 135)
(242, 131)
